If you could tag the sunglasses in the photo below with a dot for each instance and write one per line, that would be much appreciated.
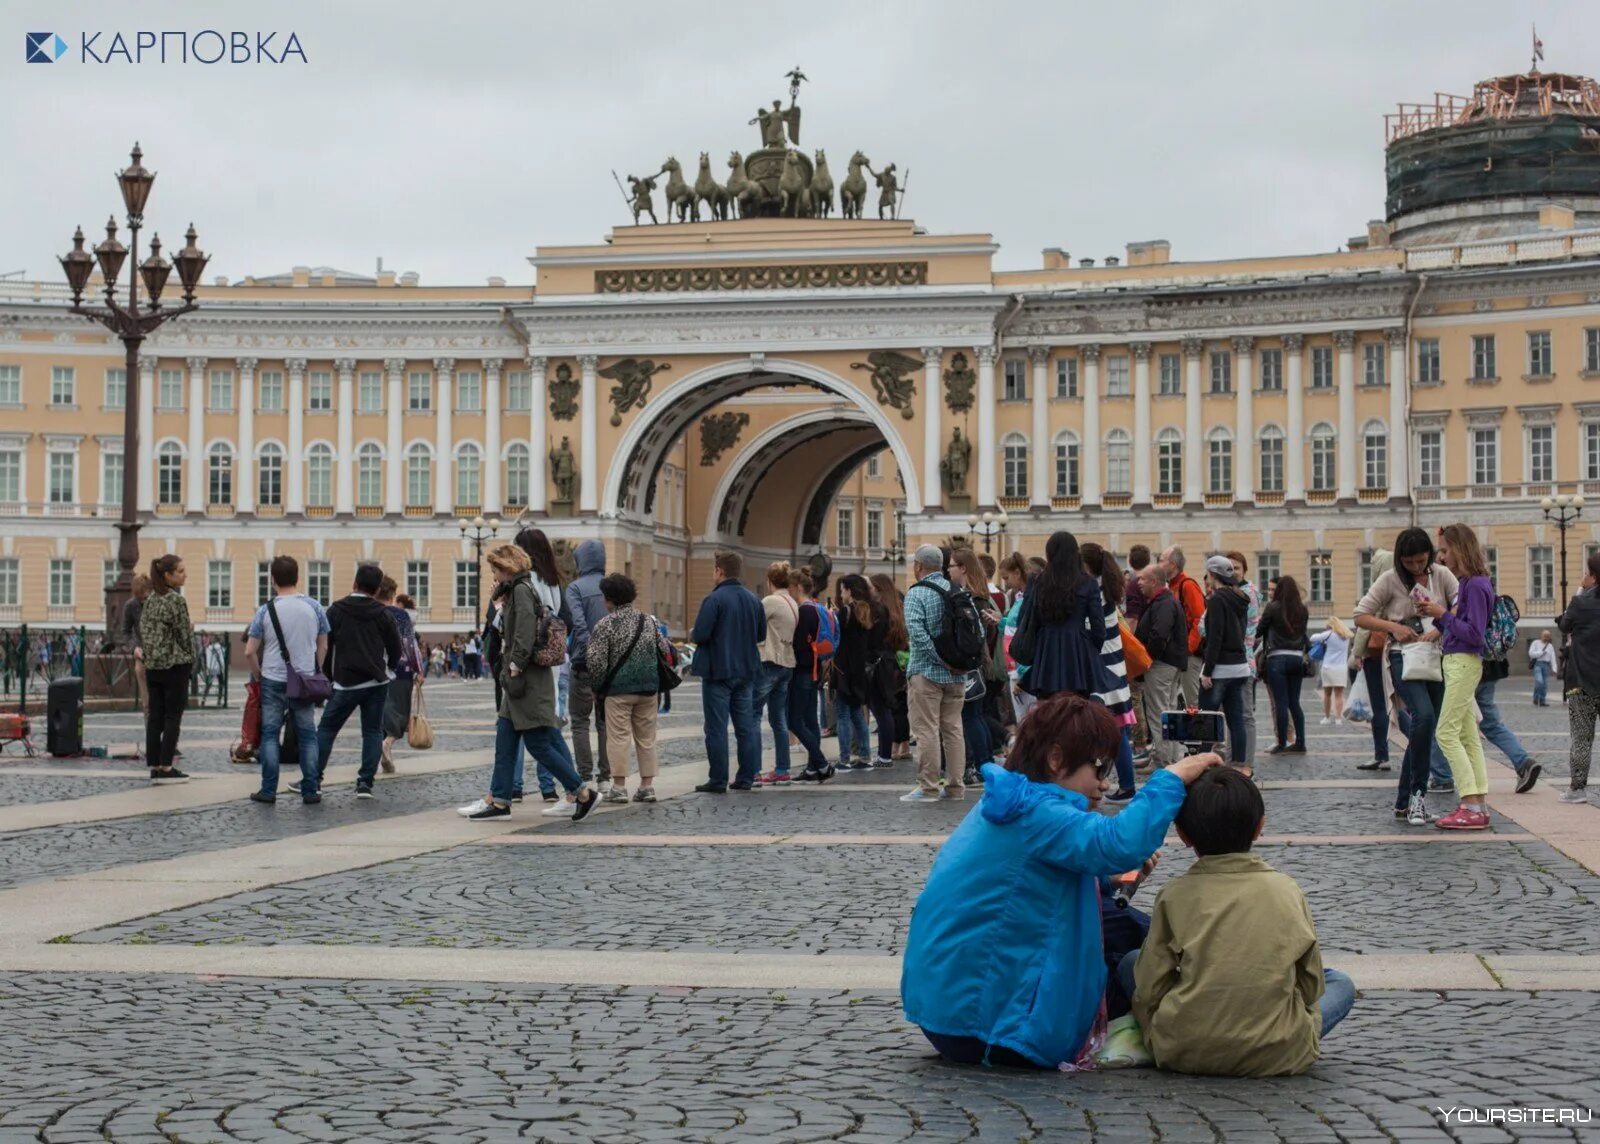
(1105, 768)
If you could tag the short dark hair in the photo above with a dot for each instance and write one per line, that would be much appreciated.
(285, 571)
(1594, 563)
(1221, 811)
(1085, 731)
(618, 589)
(730, 563)
(1138, 556)
(369, 577)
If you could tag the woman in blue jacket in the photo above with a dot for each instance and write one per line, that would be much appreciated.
(1004, 963)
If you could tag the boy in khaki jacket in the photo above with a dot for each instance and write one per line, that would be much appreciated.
(1229, 981)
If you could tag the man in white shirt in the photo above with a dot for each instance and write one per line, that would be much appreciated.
(304, 628)
(1542, 655)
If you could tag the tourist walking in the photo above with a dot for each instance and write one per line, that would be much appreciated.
(728, 629)
(1282, 636)
(1334, 669)
(363, 654)
(1367, 656)
(587, 608)
(166, 645)
(1164, 632)
(1118, 698)
(966, 570)
(806, 680)
(471, 657)
(777, 667)
(397, 706)
(545, 578)
(625, 652)
(863, 639)
(1463, 626)
(1225, 674)
(1193, 601)
(891, 674)
(935, 690)
(1580, 623)
(288, 631)
(1542, 659)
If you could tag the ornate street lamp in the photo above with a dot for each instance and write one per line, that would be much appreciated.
(989, 526)
(131, 323)
(1562, 511)
(896, 551)
(479, 532)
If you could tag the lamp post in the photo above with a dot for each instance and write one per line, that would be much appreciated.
(479, 532)
(895, 552)
(1562, 511)
(989, 526)
(131, 323)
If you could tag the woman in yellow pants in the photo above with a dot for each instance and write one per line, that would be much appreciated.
(1463, 643)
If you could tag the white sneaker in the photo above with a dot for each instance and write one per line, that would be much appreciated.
(918, 796)
(1326, 721)
(472, 808)
(1338, 720)
(561, 808)
(1417, 812)
(1574, 796)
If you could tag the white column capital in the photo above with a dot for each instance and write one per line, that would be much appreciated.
(345, 366)
(932, 355)
(1038, 355)
(538, 364)
(1294, 343)
(1193, 347)
(197, 363)
(1395, 335)
(296, 366)
(1345, 340)
(444, 364)
(1243, 344)
(492, 365)
(1091, 351)
(394, 365)
(984, 353)
(247, 365)
(588, 361)
(1141, 350)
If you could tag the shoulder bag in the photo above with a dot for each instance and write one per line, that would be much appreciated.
(303, 687)
(1422, 661)
(1024, 639)
(611, 672)
(419, 732)
(667, 675)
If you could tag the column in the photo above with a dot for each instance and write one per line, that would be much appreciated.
(1294, 446)
(589, 472)
(538, 447)
(1399, 431)
(394, 475)
(195, 501)
(145, 474)
(344, 460)
(1244, 431)
(1089, 451)
(1141, 422)
(1345, 342)
(986, 442)
(1040, 357)
(932, 429)
(491, 434)
(444, 494)
(1193, 445)
(296, 460)
(244, 485)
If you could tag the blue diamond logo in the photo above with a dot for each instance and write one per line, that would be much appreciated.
(45, 47)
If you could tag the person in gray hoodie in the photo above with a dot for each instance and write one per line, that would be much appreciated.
(588, 608)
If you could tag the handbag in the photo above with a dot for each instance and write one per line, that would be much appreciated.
(1422, 662)
(611, 672)
(303, 687)
(419, 732)
(1026, 637)
(667, 675)
(1134, 653)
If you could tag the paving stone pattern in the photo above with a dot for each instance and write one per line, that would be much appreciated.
(16, 789)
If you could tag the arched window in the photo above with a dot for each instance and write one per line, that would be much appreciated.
(419, 477)
(517, 475)
(1375, 455)
(1219, 461)
(1067, 463)
(369, 476)
(469, 467)
(319, 476)
(169, 474)
(1014, 456)
(269, 476)
(1119, 461)
(1323, 473)
(219, 474)
(1169, 463)
(1271, 448)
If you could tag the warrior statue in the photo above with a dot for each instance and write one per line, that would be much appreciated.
(889, 190)
(642, 189)
(954, 466)
(563, 473)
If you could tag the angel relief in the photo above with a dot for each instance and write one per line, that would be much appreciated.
(633, 377)
(892, 378)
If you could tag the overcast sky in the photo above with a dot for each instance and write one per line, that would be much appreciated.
(453, 139)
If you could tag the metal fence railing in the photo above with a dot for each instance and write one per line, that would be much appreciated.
(32, 657)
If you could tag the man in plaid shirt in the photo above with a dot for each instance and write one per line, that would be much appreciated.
(934, 693)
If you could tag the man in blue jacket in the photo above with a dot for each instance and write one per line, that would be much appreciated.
(727, 630)
(588, 608)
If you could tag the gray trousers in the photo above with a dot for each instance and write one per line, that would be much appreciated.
(1582, 708)
(580, 709)
(1191, 680)
(1249, 697)
(1161, 693)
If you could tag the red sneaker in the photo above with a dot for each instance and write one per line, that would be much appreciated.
(772, 778)
(1463, 818)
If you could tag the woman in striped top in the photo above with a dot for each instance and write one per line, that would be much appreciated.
(1119, 699)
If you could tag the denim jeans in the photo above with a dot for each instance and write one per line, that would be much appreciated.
(1423, 700)
(721, 698)
(370, 702)
(772, 690)
(883, 717)
(546, 780)
(1338, 991)
(1493, 729)
(803, 719)
(1227, 696)
(1125, 779)
(1541, 682)
(1372, 672)
(545, 744)
(975, 733)
(853, 739)
(1284, 677)
(275, 706)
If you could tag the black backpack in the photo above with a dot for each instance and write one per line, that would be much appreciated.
(959, 639)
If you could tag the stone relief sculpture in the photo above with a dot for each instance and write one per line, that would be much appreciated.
(953, 468)
(563, 471)
(632, 376)
(718, 434)
(960, 381)
(891, 378)
(564, 394)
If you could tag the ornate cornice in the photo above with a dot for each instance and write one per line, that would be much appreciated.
(803, 276)
(1484, 417)
(1538, 414)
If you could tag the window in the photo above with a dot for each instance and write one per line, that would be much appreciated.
(1119, 461)
(1541, 453)
(270, 392)
(874, 529)
(1016, 380)
(63, 385)
(872, 466)
(1323, 473)
(1486, 456)
(1272, 371)
(419, 477)
(1169, 375)
(1169, 462)
(1321, 578)
(1219, 461)
(263, 581)
(1067, 465)
(1483, 357)
(1430, 459)
(63, 478)
(847, 527)
(321, 391)
(110, 477)
(1541, 572)
(369, 476)
(1591, 351)
(468, 470)
(1269, 567)
(1375, 455)
(519, 391)
(1014, 463)
(1067, 377)
(319, 581)
(219, 584)
(169, 474)
(219, 475)
(517, 475)
(1591, 451)
(61, 583)
(116, 389)
(319, 476)
(1428, 361)
(169, 389)
(418, 581)
(221, 398)
(1321, 367)
(466, 584)
(1491, 556)
(419, 392)
(1221, 371)
(1271, 448)
(269, 476)
(1117, 383)
(469, 392)
(369, 392)
(10, 584)
(1372, 363)
(10, 476)
(10, 385)
(1539, 358)
(1364, 571)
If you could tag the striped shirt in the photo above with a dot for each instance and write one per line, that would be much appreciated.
(1119, 700)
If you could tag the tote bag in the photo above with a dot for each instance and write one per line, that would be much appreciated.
(1421, 662)
(419, 733)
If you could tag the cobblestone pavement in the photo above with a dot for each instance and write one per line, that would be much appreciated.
(17, 789)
